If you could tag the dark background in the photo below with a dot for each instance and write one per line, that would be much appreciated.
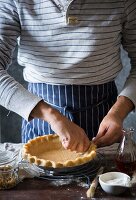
(10, 125)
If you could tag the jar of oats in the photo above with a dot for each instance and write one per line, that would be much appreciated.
(8, 170)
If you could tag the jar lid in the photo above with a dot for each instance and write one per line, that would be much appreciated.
(6, 157)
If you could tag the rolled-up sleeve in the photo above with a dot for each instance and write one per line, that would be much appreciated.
(13, 95)
(129, 44)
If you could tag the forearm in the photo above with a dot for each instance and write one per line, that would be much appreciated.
(72, 136)
(122, 107)
(45, 112)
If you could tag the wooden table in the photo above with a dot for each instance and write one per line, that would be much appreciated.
(38, 189)
(34, 189)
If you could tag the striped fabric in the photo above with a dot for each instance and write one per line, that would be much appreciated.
(65, 42)
(84, 105)
(85, 53)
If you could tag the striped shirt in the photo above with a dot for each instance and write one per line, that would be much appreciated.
(65, 42)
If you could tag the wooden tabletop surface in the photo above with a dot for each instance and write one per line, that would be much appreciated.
(39, 189)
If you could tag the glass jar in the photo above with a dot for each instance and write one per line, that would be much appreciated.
(8, 170)
(126, 153)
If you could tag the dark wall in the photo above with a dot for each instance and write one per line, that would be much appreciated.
(11, 124)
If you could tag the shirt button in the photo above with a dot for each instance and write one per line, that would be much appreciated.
(72, 20)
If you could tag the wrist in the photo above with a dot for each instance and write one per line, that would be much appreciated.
(45, 112)
(122, 107)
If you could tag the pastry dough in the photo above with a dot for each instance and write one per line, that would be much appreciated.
(47, 151)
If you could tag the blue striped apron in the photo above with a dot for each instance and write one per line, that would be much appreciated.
(83, 104)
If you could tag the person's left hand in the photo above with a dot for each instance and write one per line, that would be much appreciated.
(110, 130)
(111, 127)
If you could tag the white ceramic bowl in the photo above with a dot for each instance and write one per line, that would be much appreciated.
(114, 182)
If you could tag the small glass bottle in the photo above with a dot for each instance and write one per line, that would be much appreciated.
(126, 153)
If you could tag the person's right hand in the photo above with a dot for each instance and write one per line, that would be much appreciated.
(71, 135)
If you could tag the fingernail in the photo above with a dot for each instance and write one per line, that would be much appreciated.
(65, 139)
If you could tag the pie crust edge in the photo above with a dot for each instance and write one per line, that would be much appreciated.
(83, 158)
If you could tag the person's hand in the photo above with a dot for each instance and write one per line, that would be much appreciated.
(71, 135)
(110, 130)
(111, 127)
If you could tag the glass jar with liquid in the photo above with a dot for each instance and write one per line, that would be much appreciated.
(126, 153)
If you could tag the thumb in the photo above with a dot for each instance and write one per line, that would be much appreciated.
(101, 132)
